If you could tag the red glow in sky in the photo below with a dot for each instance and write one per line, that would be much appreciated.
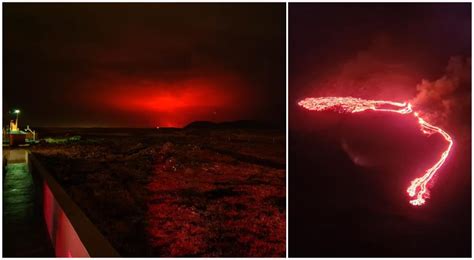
(154, 97)
(417, 190)
(176, 103)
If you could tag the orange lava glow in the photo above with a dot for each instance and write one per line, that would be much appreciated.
(417, 190)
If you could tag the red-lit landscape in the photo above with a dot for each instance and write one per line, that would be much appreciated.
(144, 130)
(189, 192)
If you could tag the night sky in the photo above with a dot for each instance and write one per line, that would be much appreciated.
(383, 51)
(143, 65)
(348, 173)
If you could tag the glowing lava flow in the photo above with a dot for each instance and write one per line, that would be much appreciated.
(417, 190)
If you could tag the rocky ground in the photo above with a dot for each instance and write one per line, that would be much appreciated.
(172, 192)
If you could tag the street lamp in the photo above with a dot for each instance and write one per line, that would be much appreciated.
(17, 112)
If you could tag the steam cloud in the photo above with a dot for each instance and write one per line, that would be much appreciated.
(440, 100)
(385, 70)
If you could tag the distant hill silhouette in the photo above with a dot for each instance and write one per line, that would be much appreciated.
(242, 124)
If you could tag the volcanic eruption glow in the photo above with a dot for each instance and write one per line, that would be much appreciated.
(417, 190)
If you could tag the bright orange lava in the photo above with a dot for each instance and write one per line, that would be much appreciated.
(417, 189)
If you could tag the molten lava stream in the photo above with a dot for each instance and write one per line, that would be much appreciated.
(417, 190)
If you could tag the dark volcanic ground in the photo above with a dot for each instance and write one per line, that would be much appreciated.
(173, 192)
(354, 203)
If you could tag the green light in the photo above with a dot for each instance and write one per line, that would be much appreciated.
(17, 111)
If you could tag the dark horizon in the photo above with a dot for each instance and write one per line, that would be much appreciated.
(243, 123)
(143, 65)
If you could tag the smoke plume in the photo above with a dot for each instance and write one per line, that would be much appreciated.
(442, 100)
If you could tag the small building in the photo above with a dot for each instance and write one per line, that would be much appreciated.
(17, 138)
(14, 136)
